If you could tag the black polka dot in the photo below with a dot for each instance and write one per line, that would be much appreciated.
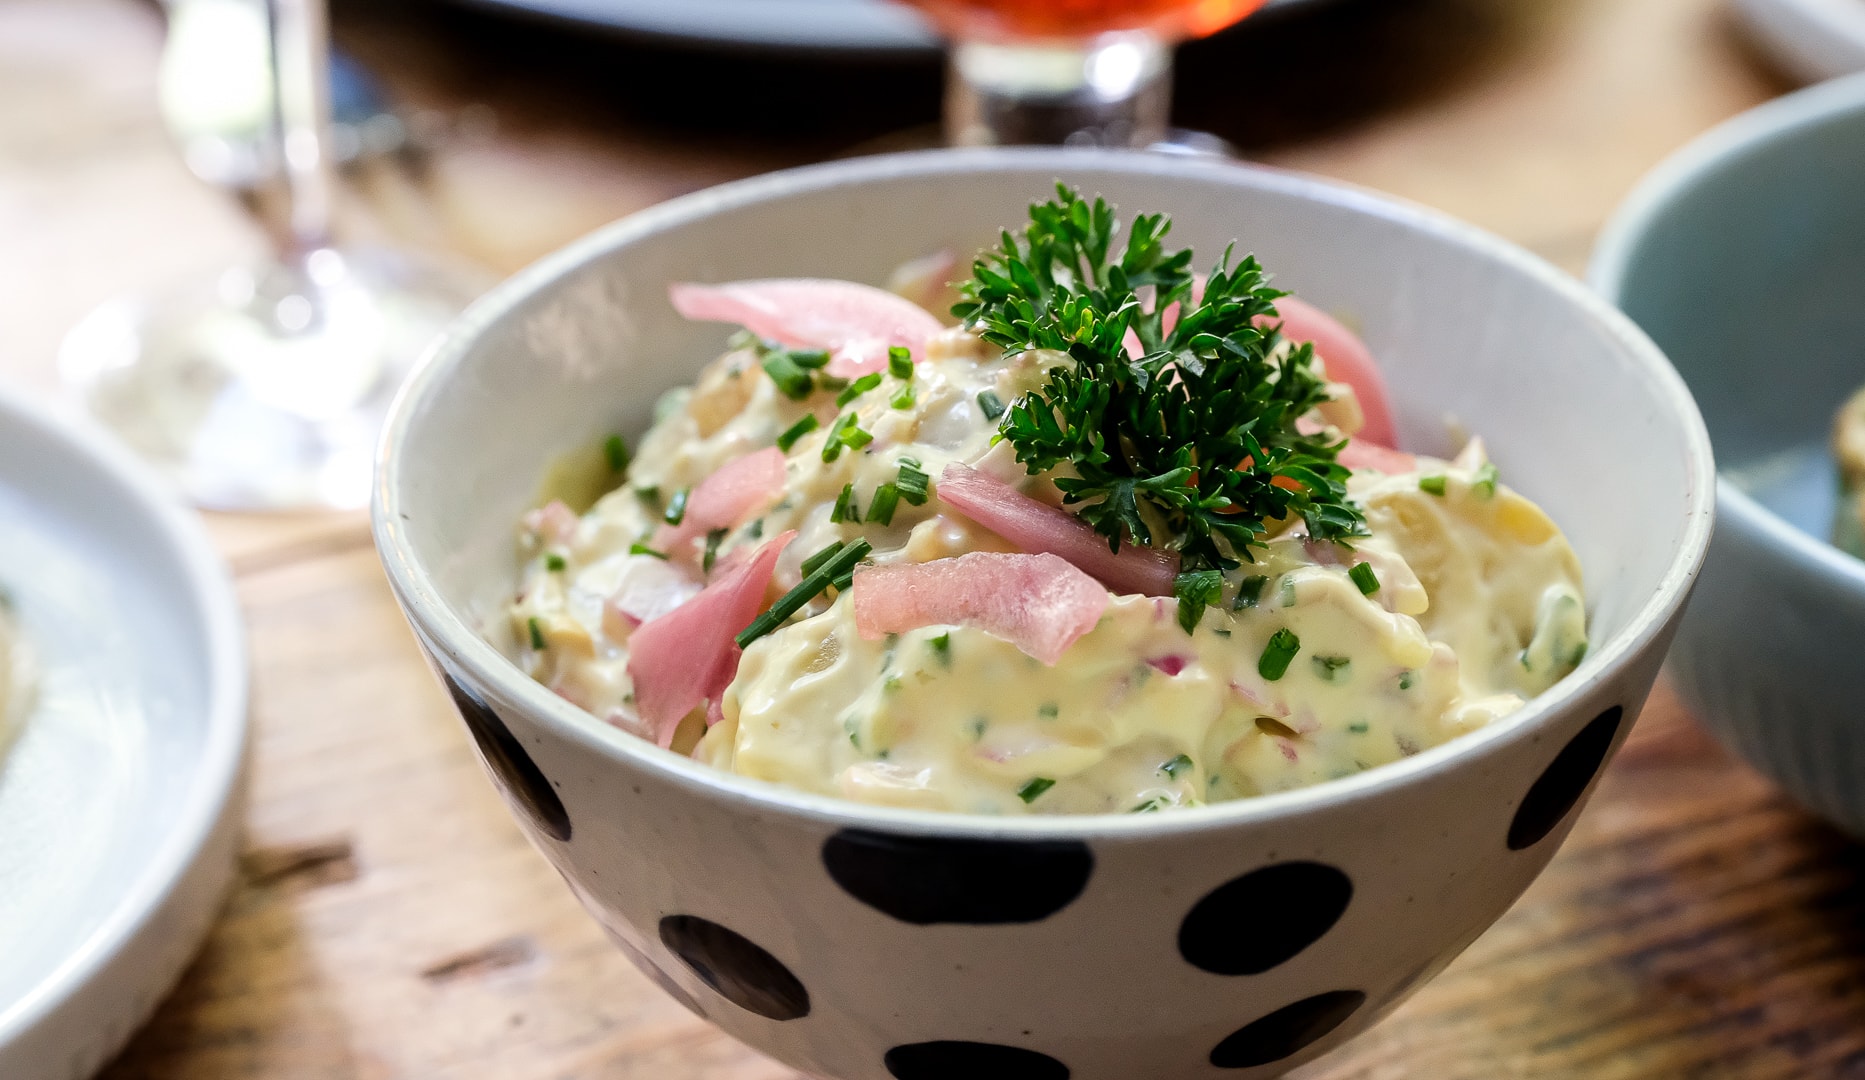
(925, 880)
(736, 967)
(523, 782)
(1250, 924)
(648, 967)
(1563, 781)
(1287, 1030)
(971, 1061)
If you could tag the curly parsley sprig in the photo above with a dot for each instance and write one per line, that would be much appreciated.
(1192, 445)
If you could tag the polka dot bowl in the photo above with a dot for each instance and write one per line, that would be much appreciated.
(857, 943)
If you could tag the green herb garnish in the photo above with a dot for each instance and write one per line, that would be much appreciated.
(1196, 589)
(1037, 785)
(942, 648)
(650, 497)
(643, 549)
(912, 482)
(789, 377)
(809, 358)
(676, 507)
(857, 388)
(846, 431)
(881, 506)
(816, 579)
(903, 397)
(1431, 485)
(1149, 806)
(555, 563)
(1281, 650)
(1328, 667)
(811, 564)
(1364, 578)
(1200, 427)
(1484, 486)
(796, 431)
(1049, 710)
(1176, 766)
(1249, 591)
(713, 539)
(616, 451)
(845, 508)
(899, 362)
(537, 634)
(991, 404)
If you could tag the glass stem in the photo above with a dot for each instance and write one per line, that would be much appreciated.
(301, 93)
(1113, 90)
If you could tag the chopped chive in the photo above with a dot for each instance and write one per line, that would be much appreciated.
(1195, 589)
(1328, 667)
(754, 530)
(1363, 576)
(643, 549)
(830, 382)
(1431, 485)
(857, 388)
(843, 562)
(616, 451)
(846, 431)
(1037, 785)
(881, 506)
(1358, 727)
(1220, 631)
(899, 362)
(1049, 710)
(853, 729)
(1484, 486)
(942, 648)
(537, 634)
(978, 727)
(903, 398)
(992, 405)
(912, 482)
(791, 379)
(650, 497)
(1405, 680)
(676, 507)
(713, 539)
(1176, 766)
(809, 358)
(1281, 650)
(555, 563)
(1249, 591)
(1285, 592)
(796, 431)
(856, 437)
(821, 557)
(1147, 807)
(845, 508)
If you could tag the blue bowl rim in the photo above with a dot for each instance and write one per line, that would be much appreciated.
(1785, 119)
(424, 605)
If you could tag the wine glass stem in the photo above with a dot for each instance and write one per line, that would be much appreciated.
(301, 73)
(1112, 90)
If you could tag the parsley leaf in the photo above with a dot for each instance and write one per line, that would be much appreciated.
(1196, 436)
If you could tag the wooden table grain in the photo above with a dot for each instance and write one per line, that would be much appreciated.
(391, 922)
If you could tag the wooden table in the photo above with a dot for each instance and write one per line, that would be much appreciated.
(391, 922)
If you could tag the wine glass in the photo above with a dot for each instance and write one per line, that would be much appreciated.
(263, 387)
(1070, 72)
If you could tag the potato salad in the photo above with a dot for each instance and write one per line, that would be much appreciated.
(1125, 539)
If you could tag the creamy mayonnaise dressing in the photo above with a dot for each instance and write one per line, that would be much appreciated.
(1478, 609)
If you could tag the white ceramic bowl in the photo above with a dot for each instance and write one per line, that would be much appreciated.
(859, 943)
(119, 804)
(1769, 654)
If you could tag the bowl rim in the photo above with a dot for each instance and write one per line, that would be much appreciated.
(179, 535)
(1742, 136)
(448, 632)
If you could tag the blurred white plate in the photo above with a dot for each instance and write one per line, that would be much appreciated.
(1811, 39)
(857, 26)
(118, 813)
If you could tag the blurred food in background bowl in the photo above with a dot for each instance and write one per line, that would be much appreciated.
(1744, 258)
(1810, 39)
(861, 942)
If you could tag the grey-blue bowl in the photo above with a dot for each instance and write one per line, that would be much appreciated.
(1743, 256)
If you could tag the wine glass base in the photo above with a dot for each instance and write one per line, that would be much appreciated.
(264, 388)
